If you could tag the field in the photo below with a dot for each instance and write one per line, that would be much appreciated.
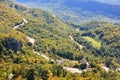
(95, 43)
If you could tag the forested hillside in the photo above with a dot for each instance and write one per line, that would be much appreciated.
(9, 17)
(36, 45)
(17, 58)
(105, 33)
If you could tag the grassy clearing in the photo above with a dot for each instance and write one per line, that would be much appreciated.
(95, 43)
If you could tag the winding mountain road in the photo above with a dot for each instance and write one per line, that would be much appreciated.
(73, 70)
(43, 55)
(80, 46)
(105, 68)
(32, 40)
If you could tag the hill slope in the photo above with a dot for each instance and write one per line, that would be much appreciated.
(8, 16)
(51, 37)
(23, 63)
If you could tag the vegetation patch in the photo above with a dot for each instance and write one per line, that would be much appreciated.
(94, 43)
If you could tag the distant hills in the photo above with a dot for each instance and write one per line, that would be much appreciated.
(96, 7)
(79, 11)
(114, 2)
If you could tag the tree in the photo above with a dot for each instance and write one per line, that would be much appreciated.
(30, 74)
(83, 66)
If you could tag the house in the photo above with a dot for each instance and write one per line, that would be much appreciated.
(84, 64)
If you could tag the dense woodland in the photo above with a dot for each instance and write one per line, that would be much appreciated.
(52, 39)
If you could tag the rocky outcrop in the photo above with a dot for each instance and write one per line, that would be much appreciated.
(13, 44)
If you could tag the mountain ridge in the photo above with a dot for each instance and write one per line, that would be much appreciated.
(114, 2)
(88, 10)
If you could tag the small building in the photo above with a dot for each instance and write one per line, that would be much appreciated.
(84, 64)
